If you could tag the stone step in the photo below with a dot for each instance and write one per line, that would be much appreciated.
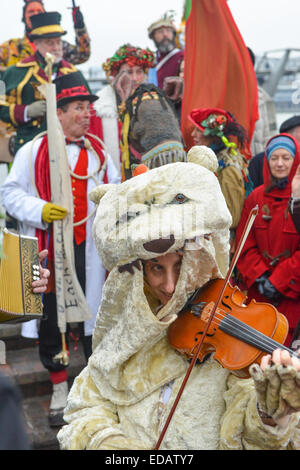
(26, 370)
(10, 329)
(40, 435)
(10, 334)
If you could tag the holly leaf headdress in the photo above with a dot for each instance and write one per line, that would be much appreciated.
(214, 125)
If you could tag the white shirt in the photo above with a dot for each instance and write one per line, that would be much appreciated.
(21, 202)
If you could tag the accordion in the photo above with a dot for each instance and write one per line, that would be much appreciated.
(19, 267)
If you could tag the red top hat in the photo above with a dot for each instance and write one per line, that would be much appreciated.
(71, 87)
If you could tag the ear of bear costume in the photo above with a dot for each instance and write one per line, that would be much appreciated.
(203, 156)
(97, 193)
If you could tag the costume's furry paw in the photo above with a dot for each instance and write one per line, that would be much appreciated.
(277, 388)
(97, 193)
(129, 267)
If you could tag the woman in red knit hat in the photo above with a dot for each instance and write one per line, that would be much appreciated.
(212, 127)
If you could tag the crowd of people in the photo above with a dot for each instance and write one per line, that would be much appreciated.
(146, 223)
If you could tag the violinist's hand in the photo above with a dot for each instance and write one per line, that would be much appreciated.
(41, 284)
(277, 384)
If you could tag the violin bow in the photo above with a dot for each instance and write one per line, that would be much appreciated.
(237, 253)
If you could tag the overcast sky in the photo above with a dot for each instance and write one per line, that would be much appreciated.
(264, 24)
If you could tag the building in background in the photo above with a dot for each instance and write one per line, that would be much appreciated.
(278, 72)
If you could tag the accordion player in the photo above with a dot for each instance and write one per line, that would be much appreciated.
(19, 267)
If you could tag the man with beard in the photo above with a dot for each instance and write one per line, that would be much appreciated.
(24, 107)
(16, 49)
(168, 56)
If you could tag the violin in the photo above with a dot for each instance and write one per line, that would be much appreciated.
(217, 320)
(239, 334)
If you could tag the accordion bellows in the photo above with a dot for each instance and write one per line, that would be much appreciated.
(18, 268)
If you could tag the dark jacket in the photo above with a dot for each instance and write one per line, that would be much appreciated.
(255, 169)
(13, 434)
(294, 208)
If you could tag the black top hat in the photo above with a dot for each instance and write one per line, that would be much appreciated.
(72, 87)
(46, 25)
(290, 124)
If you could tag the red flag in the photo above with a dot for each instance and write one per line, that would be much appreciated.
(218, 71)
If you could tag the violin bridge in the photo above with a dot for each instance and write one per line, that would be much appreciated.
(207, 311)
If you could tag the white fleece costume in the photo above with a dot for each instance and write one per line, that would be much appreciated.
(122, 398)
(106, 108)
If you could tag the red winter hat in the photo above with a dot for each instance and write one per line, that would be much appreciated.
(217, 122)
(197, 116)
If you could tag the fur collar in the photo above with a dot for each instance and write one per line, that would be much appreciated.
(106, 106)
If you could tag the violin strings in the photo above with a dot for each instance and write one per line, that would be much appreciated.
(256, 338)
(245, 332)
(242, 332)
(250, 335)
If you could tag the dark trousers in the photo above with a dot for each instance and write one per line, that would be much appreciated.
(50, 342)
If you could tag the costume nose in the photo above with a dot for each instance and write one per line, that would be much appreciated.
(160, 245)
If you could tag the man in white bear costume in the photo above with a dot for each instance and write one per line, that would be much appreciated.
(123, 397)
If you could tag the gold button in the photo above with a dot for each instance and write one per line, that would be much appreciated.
(21, 141)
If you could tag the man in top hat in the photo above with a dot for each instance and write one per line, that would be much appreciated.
(16, 49)
(168, 56)
(25, 107)
(26, 195)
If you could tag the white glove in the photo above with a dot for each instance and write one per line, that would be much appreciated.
(36, 109)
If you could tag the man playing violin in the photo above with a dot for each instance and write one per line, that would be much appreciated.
(162, 235)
